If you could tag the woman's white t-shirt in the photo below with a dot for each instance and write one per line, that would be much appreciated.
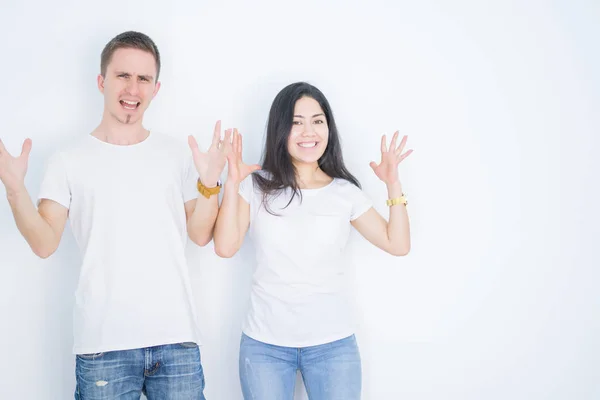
(299, 296)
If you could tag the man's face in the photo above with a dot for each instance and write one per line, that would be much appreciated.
(129, 84)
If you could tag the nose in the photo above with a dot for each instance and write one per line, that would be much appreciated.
(308, 130)
(133, 87)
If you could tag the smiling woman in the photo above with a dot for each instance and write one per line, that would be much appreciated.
(299, 210)
(302, 134)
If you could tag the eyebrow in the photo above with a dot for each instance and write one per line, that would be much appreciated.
(149, 77)
(316, 115)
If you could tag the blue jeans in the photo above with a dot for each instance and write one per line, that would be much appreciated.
(166, 372)
(330, 371)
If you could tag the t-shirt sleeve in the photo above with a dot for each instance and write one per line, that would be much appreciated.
(55, 183)
(360, 202)
(246, 189)
(190, 180)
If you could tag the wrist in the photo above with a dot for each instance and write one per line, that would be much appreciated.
(16, 191)
(231, 186)
(208, 191)
(209, 183)
(394, 189)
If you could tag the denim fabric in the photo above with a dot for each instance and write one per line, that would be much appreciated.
(330, 371)
(166, 372)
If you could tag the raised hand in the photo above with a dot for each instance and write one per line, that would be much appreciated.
(211, 163)
(237, 170)
(13, 169)
(387, 169)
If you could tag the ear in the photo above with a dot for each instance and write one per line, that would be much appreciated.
(101, 83)
(156, 89)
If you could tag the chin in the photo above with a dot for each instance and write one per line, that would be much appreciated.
(306, 160)
(311, 157)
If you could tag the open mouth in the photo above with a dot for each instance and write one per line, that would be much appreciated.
(129, 105)
(308, 145)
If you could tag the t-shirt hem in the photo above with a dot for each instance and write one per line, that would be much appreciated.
(58, 199)
(191, 197)
(308, 343)
(243, 196)
(361, 211)
(131, 346)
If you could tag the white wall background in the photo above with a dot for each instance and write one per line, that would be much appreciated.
(498, 298)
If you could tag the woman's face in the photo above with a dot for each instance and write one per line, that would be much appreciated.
(309, 135)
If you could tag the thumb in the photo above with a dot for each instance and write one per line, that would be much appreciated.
(373, 165)
(26, 148)
(193, 144)
(255, 167)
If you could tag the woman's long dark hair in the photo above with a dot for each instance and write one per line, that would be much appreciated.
(276, 160)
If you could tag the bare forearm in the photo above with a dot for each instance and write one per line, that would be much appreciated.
(202, 221)
(398, 227)
(227, 228)
(36, 230)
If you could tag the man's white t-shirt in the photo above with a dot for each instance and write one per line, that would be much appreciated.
(126, 210)
(299, 295)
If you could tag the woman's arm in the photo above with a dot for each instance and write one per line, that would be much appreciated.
(393, 236)
(234, 214)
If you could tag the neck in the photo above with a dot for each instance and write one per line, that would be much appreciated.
(113, 131)
(310, 176)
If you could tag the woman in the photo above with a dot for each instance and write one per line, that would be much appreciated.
(299, 210)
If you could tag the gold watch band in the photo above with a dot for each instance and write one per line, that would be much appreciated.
(207, 192)
(398, 200)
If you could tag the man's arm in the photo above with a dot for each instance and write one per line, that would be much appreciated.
(43, 227)
(201, 215)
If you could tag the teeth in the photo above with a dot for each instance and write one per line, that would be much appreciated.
(311, 144)
(132, 103)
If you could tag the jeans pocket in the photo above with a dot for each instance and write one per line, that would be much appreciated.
(188, 345)
(90, 356)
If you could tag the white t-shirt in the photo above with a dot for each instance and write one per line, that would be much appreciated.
(299, 294)
(126, 209)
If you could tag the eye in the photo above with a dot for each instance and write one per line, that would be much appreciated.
(143, 79)
(123, 75)
(319, 121)
(297, 123)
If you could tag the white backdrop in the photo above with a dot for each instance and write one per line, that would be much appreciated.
(498, 298)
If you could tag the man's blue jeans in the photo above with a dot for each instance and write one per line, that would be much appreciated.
(162, 373)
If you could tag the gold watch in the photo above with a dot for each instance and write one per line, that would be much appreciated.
(207, 192)
(398, 200)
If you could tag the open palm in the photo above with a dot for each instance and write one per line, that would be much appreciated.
(210, 164)
(387, 169)
(237, 170)
(13, 169)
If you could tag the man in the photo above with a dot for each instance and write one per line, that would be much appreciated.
(132, 197)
